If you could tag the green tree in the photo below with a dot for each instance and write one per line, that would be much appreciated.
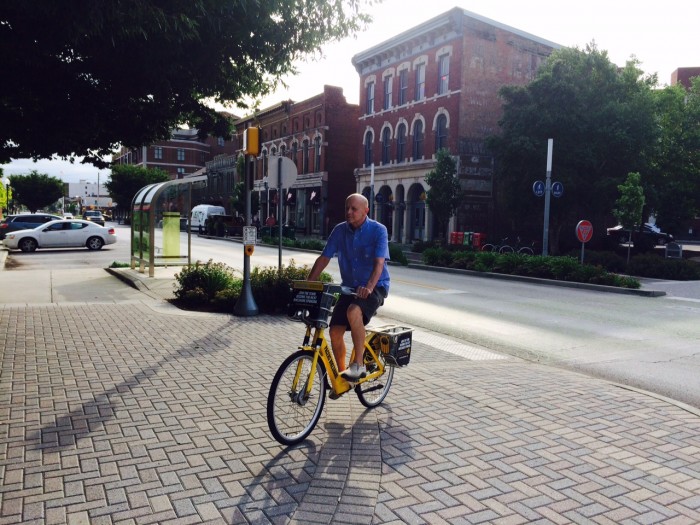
(126, 180)
(445, 193)
(674, 182)
(35, 190)
(99, 74)
(629, 205)
(238, 200)
(602, 120)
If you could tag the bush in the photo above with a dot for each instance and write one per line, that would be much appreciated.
(661, 268)
(560, 268)
(198, 284)
(271, 289)
(396, 254)
(213, 286)
(437, 257)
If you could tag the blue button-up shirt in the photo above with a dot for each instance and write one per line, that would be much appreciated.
(357, 250)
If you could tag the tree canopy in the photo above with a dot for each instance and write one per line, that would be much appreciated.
(602, 119)
(673, 187)
(79, 81)
(35, 190)
(445, 193)
(126, 180)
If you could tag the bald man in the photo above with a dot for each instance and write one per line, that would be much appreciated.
(362, 247)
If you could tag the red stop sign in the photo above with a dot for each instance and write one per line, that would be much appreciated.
(584, 231)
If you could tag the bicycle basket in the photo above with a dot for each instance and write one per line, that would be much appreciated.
(312, 302)
(394, 342)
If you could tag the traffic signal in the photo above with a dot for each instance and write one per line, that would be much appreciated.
(251, 141)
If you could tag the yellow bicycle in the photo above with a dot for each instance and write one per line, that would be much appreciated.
(298, 391)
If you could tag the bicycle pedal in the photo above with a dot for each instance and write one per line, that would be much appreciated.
(333, 395)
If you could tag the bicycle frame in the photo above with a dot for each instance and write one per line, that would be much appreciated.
(322, 350)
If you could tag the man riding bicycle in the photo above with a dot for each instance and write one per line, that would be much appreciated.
(362, 247)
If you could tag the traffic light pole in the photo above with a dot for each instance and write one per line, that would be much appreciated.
(245, 305)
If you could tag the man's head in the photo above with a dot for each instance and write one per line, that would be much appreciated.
(356, 209)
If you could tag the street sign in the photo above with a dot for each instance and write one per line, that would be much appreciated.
(289, 172)
(584, 231)
(557, 189)
(538, 188)
(250, 235)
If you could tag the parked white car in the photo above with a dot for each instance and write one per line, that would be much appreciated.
(70, 233)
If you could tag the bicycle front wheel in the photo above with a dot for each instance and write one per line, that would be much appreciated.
(526, 251)
(372, 393)
(506, 249)
(292, 413)
(488, 248)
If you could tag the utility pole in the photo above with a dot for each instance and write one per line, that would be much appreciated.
(246, 305)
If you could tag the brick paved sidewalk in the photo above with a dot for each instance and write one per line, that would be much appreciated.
(130, 414)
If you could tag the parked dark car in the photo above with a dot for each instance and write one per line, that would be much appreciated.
(24, 221)
(649, 233)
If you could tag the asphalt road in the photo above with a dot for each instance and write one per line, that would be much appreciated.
(648, 343)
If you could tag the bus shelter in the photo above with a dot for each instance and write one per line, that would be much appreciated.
(159, 213)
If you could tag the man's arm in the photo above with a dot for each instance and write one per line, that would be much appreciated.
(320, 265)
(365, 291)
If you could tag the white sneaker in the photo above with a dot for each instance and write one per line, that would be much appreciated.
(354, 372)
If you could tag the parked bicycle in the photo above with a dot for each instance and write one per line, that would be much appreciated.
(501, 247)
(504, 247)
(298, 390)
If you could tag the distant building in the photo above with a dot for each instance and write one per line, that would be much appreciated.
(87, 194)
(182, 155)
(431, 87)
(683, 75)
(320, 135)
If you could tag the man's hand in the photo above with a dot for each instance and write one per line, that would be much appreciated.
(363, 292)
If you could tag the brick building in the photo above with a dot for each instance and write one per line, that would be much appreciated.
(683, 76)
(320, 135)
(431, 87)
(183, 154)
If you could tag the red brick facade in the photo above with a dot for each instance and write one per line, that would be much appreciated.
(319, 135)
(451, 68)
(182, 155)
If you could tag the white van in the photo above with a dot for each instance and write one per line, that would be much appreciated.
(202, 212)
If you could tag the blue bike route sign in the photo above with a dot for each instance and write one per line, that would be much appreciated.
(538, 188)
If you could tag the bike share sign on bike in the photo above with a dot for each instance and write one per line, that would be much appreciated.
(584, 232)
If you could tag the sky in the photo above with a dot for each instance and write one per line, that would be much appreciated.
(662, 35)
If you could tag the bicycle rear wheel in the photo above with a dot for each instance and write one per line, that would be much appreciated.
(372, 393)
(506, 249)
(291, 414)
(488, 248)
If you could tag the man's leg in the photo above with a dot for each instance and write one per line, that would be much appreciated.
(357, 331)
(337, 332)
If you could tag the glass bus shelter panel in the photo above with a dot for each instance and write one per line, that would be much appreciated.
(170, 210)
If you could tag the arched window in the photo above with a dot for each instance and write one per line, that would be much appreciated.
(401, 143)
(305, 156)
(441, 133)
(317, 154)
(418, 140)
(386, 145)
(295, 157)
(368, 148)
(283, 150)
